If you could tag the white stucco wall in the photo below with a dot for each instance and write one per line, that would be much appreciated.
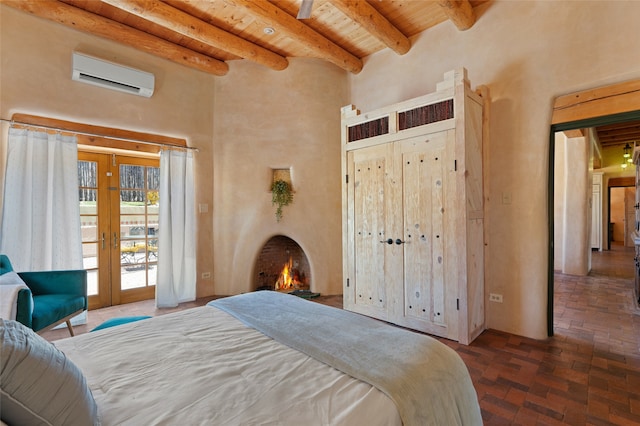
(577, 208)
(572, 205)
(286, 119)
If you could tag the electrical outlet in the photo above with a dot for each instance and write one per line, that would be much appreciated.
(206, 275)
(494, 297)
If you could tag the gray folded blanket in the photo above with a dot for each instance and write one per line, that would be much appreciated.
(427, 380)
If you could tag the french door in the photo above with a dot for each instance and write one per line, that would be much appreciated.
(119, 203)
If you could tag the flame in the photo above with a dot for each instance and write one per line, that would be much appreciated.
(285, 280)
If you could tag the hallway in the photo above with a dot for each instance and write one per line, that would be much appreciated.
(600, 308)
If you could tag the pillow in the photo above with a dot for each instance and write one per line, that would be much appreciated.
(40, 385)
(10, 285)
(11, 278)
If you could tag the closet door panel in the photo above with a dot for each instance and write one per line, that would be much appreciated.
(370, 184)
(424, 177)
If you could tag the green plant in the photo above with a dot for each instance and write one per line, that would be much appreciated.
(281, 195)
(153, 197)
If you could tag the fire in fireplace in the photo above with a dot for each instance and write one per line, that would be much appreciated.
(290, 278)
(282, 265)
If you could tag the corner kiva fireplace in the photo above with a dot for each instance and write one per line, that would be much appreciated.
(282, 265)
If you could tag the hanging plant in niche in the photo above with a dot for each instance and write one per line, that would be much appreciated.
(281, 195)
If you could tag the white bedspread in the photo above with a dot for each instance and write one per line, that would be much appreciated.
(202, 366)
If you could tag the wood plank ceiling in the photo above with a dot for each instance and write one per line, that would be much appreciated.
(207, 34)
(619, 134)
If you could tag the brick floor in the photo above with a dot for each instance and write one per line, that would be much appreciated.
(588, 373)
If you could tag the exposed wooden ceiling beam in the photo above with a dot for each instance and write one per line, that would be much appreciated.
(88, 22)
(296, 30)
(376, 24)
(189, 26)
(460, 12)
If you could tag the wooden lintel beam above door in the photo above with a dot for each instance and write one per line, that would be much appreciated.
(87, 22)
(597, 102)
(106, 137)
(621, 181)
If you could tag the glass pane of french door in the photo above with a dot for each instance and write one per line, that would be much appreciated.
(119, 202)
(139, 184)
(93, 179)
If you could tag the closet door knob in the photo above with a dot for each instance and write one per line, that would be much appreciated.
(399, 241)
(389, 241)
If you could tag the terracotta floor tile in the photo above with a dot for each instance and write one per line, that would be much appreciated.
(516, 396)
(599, 408)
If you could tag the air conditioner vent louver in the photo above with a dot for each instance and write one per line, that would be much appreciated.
(113, 84)
(109, 75)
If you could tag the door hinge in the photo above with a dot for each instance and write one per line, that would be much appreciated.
(457, 304)
(347, 282)
(346, 177)
(455, 165)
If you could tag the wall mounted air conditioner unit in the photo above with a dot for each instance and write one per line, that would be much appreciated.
(109, 75)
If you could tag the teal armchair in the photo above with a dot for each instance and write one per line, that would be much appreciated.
(53, 297)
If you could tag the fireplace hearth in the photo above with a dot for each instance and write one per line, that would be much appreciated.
(282, 265)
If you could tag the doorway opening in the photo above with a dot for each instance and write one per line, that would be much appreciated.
(622, 216)
(119, 203)
(608, 111)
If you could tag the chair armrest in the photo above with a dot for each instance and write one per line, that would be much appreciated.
(57, 282)
(24, 307)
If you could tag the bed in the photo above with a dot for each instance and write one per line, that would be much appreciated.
(267, 358)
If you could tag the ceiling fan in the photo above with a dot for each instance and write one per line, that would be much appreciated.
(305, 9)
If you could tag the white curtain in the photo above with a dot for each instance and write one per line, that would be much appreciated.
(176, 281)
(41, 213)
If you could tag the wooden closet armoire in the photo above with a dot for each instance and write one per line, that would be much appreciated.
(413, 211)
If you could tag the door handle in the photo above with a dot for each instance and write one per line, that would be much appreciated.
(103, 241)
(115, 240)
(390, 241)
